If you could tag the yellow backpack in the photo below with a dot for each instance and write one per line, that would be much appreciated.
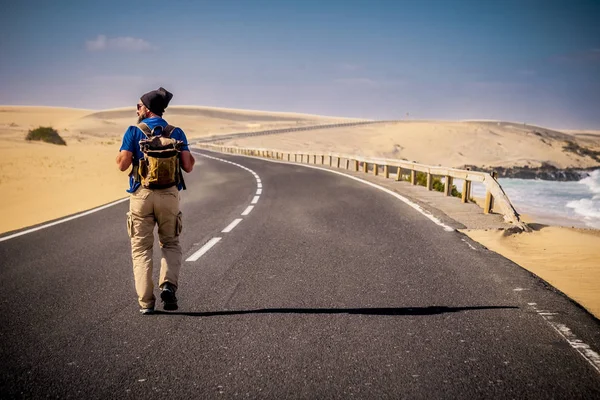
(160, 168)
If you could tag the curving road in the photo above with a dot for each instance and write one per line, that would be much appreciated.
(324, 288)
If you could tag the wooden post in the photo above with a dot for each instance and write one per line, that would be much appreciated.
(356, 165)
(314, 159)
(429, 181)
(413, 177)
(338, 162)
(466, 192)
(322, 160)
(399, 174)
(330, 161)
(375, 169)
(365, 167)
(448, 186)
(386, 171)
(489, 199)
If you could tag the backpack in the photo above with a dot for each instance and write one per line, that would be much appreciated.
(160, 168)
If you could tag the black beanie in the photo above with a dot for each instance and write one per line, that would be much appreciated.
(157, 100)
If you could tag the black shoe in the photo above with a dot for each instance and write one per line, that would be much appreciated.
(167, 295)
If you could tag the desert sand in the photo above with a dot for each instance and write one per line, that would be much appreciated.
(40, 182)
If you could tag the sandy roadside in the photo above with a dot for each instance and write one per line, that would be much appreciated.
(567, 258)
(40, 182)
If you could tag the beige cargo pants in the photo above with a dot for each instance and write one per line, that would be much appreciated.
(147, 208)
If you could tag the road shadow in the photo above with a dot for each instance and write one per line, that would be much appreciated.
(384, 311)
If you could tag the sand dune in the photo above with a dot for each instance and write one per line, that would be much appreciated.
(452, 144)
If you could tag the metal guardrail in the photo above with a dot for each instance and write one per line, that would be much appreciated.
(495, 197)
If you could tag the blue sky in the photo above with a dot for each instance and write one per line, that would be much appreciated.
(526, 61)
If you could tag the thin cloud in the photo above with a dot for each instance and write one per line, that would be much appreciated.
(367, 82)
(120, 43)
(585, 56)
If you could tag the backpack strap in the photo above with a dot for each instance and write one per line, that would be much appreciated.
(145, 129)
(168, 130)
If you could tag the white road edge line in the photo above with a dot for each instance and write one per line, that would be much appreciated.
(232, 225)
(255, 200)
(247, 210)
(203, 249)
(582, 348)
(83, 214)
(427, 214)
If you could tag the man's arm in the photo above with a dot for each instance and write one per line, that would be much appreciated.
(187, 161)
(124, 159)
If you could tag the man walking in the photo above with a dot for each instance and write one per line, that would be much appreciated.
(154, 185)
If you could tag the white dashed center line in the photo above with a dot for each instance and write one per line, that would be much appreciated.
(229, 228)
(203, 249)
(232, 225)
(247, 210)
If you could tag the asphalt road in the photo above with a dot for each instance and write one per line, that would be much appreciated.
(327, 288)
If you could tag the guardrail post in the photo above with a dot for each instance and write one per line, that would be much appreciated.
(314, 159)
(322, 160)
(356, 165)
(386, 171)
(330, 161)
(365, 167)
(399, 174)
(375, 169)
(466, 192)
(413, 177)
(448, 186)
(338, 162)
(489, 199)
(429, 181)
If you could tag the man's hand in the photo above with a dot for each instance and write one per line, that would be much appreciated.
(124, 159)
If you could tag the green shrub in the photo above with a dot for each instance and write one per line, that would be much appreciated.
(581, 151)
(45, 134)
(436, 184)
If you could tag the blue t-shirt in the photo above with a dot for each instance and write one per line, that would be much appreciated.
(131, 142)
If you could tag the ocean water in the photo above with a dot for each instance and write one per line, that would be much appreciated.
(550, 202)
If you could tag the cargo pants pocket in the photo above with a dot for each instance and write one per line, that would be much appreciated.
(178, 224)
(129, 224)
